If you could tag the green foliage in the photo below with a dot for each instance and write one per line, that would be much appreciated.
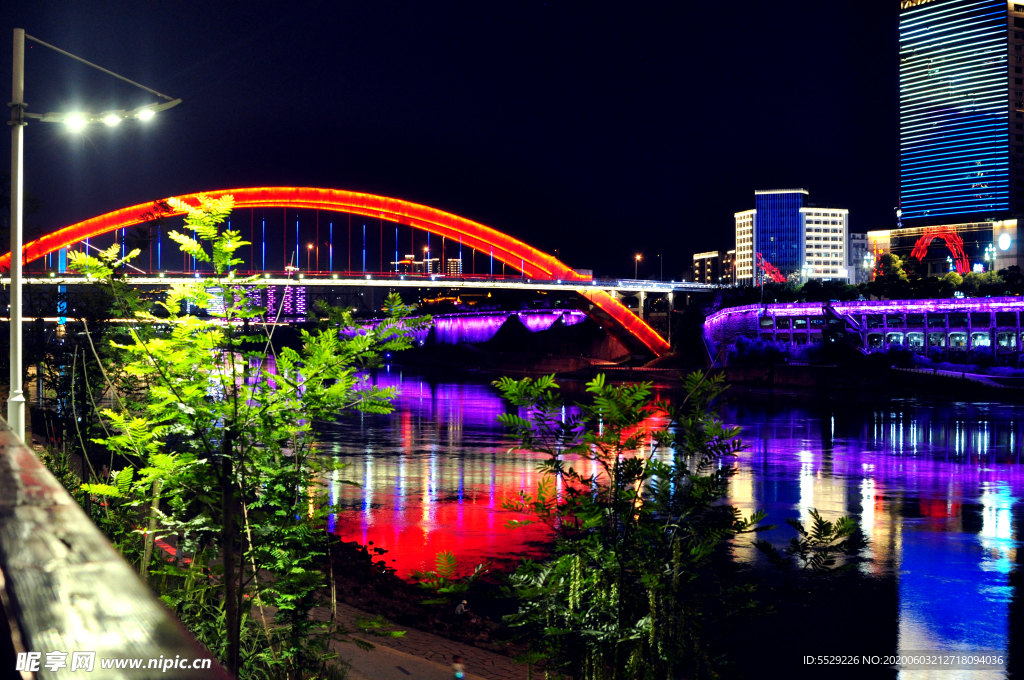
(638, 518)
(817, 549)
(443, 583)
(219, 453)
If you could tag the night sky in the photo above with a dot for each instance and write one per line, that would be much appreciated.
(601, 129)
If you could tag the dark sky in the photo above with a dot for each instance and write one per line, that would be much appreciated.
(598, 128)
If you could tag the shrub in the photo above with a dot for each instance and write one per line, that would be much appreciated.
(748, 351)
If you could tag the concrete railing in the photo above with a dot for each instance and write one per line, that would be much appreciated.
(65, 589)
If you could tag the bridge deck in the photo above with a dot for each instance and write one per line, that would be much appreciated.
(398, 281)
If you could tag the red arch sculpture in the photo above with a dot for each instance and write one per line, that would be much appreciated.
(534, 263)
(953, 242)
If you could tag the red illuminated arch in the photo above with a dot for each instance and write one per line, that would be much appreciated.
(953, 242)
(534, 263)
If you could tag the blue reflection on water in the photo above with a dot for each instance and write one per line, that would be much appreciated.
(934, 485)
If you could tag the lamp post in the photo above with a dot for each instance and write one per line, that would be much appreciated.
(636, 266)
(16, 395)
(309, 256)
(74, 121)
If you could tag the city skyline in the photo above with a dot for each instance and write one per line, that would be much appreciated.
(587, 129)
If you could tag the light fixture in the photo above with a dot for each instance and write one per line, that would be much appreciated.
(75, 122)
(1004, 241)
(334, 276)
(162, 275)
(266, 276)
(111, 120)
(145, 114)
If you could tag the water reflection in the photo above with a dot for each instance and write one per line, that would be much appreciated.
(936, 486)
(431, 476)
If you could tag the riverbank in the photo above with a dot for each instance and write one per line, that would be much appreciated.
(859, 377)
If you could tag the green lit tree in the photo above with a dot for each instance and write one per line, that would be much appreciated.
(220, 451)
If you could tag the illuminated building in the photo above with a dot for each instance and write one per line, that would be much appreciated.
(410, 265)
(745, 254)
(961, 110)
(859, 262)
(710, 267)
(777, 227)
(823, 240)
(986, 246)
(796, 238)
(454, 266)
(729, 267)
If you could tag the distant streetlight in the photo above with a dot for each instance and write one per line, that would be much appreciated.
(636, 266)
(309, 254)
(75, 121)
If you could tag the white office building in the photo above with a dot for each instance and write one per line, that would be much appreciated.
(823, 242)
(744, 265)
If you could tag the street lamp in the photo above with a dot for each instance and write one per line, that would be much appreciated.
(636, 265)
(309, 254)
(75, 121)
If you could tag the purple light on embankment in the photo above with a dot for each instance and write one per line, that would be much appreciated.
(995, 304)
(453, 329)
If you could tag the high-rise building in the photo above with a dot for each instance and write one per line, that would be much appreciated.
(778, 229)
(961, 104)
(729, 268)
(823, 239)
(798, 240)
(454, 266)
(961, 136)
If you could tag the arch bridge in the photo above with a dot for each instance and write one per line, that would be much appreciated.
(536, 269)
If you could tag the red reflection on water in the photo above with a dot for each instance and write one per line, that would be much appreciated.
(433, 474)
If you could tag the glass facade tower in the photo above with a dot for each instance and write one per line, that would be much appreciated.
(955, 109)
(777, 232)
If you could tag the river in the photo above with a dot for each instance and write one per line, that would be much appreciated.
(936, 485)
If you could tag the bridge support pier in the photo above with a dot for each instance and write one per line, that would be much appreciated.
(671, 306)
(640, 307)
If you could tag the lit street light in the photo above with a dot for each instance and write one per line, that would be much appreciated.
(309, 254)
(636, 266)
(75, 121)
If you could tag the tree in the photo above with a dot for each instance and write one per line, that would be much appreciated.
(1013, 279)
(890, 265)
(638, 518)
(890, 281)
(219, 452)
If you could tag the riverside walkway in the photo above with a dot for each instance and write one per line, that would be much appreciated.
(417, 655)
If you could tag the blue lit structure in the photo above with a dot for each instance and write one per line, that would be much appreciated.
(777, 227)
(954, 109)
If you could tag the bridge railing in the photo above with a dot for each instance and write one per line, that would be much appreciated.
(64, 589)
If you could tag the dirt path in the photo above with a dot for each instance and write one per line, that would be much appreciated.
(417, 655)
